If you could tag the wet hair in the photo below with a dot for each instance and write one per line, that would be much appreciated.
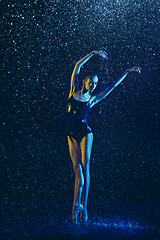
(91, 75)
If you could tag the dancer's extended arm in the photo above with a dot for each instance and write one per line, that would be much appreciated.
(78, 66)
(95, 99)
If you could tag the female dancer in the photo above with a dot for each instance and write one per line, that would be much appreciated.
(80, 136)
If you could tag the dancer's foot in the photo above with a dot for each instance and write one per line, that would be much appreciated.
(84, 216)
(75, 211)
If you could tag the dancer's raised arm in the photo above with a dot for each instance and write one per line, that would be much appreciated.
(95, 99)
(78, 66)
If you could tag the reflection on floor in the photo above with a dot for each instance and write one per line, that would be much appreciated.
(47, 221)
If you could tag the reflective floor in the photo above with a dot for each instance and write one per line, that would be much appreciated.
(47, 221)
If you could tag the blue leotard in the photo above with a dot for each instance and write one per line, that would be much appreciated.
(77, 126)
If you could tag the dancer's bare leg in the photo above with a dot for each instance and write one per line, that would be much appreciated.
(75, 154)
(86, 148)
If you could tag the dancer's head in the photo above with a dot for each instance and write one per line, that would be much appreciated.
(90, 82)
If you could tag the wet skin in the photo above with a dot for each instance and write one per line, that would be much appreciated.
(91, 83)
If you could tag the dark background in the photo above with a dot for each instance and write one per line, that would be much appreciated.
(40, 43)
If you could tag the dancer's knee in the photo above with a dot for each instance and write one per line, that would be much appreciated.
(86, 172)
(79, 174)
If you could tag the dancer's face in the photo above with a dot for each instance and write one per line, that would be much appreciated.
(91, 83)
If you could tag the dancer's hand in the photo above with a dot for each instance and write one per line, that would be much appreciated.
(134, 69)
(101, 53)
